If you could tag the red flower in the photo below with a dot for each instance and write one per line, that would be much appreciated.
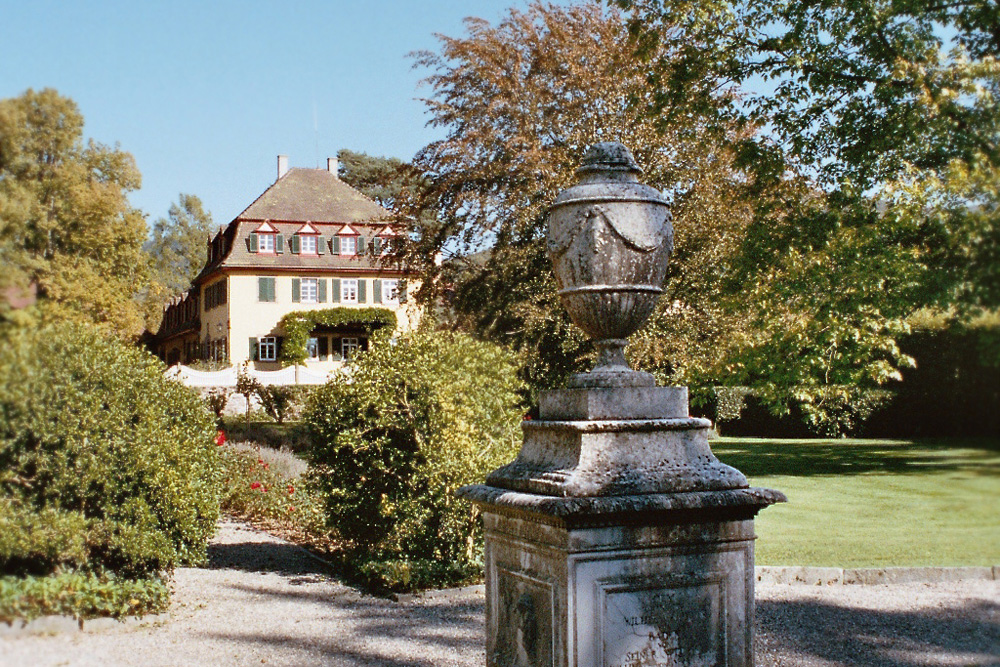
(291, 508)
(255, 485)
(291, 489)
(527, 416)
(220, 438)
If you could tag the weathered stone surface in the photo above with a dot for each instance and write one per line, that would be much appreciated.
(650, 594)
(606, 403)
(616, 457)
(609, 238)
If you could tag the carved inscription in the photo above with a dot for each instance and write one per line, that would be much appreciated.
(681, 626)
(524, 622)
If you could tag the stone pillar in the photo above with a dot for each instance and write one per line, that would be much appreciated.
(616, 538)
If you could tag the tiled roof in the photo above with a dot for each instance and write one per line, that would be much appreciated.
(313, 195)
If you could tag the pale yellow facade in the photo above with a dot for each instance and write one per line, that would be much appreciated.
(245, 317)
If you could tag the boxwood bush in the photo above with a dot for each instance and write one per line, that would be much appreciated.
(420, 417)
(106, 467)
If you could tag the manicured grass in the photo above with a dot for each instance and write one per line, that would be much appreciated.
(874, 503)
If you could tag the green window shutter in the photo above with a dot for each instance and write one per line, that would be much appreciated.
(377, 245)
(361, 245)
(252, 242)
(401, 289)
(279, 243)
(324, 347)
(254, 349)
(335, 349)
(320, 245)
(336, 245)
(262, 290)
(362, 296)
(279, 343)
(296, 290)
(295, 244)
(321, 293)
(271, 292)
(376, 291)
(335, 290)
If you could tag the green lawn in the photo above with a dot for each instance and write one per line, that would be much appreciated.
(874, 503)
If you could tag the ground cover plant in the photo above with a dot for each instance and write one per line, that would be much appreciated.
(874, 503)
(422, 416)
(265, 486)
(108, 475)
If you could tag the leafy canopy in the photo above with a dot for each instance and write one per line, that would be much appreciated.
(521, 101)
(65, 221)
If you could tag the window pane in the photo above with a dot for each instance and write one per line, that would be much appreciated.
(349, 291)
(390, 292)
(268, 349)
(265, 242)
(308, 244)
(348, 346)
(348, 245)
(312, 349)
(309, 290)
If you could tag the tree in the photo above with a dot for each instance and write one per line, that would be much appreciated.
(65, 221)
(872, 97)
(521, 102)
(381, 179)
(177, 246)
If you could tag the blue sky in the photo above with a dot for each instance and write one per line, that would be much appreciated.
(206, 94)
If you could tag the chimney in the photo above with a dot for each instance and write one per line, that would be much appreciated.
(332, 166)
(282, 165)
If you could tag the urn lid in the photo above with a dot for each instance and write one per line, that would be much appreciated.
(608, 156)
(608, 186)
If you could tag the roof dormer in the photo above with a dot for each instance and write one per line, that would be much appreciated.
(265, 240)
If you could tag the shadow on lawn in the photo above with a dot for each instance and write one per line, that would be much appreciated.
(832, 457)
(966, 633)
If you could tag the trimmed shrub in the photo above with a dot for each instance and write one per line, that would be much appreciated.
(105, 465)
(419, 418)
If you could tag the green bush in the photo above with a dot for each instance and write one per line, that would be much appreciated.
(419, 418)
(105, 465)
(276, 400)
(80, 595)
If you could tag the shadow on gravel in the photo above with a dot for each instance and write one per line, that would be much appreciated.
(287, 559)
(368, 631)
(849, 636)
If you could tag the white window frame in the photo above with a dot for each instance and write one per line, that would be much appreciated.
(349, 290)
(348, 346)
(309, 290)
(312, 349)
(348, 245)
(265, 242)
(390, 291)
(307, 244)
(268, 348)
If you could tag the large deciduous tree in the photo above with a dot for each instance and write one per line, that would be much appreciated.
(176, 246)
(521, 101)
(897, 101)
(66, 225)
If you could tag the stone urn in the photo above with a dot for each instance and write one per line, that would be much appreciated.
(609, 239)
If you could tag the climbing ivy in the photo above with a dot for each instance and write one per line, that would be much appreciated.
(299, 324)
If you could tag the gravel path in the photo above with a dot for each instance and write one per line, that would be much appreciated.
(264, 601)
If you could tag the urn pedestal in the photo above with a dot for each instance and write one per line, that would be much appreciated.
(616, 538)
(618, 547)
